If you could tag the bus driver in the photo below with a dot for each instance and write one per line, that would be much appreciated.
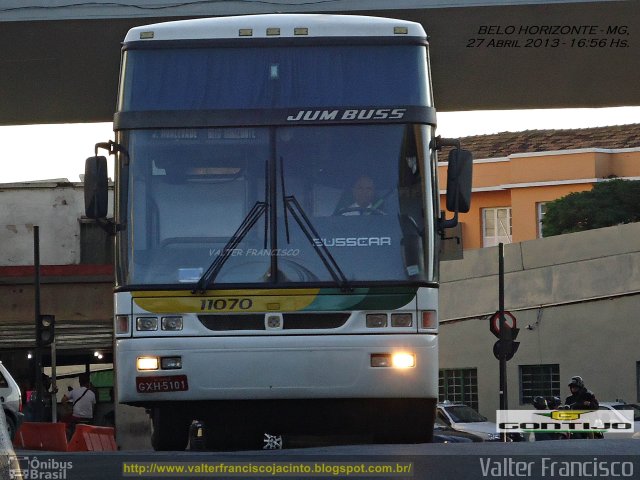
(364, 202)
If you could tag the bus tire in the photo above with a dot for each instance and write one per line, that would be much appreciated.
(169, 430)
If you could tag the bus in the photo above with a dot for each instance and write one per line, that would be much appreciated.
(276, 226)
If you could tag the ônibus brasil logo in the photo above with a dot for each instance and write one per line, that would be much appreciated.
(601, 421)
(38, 468)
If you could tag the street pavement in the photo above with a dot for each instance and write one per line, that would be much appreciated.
(576, 459)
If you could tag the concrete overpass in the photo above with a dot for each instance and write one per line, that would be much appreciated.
(60, 60)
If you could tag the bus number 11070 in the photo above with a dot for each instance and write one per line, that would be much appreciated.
(226, 304)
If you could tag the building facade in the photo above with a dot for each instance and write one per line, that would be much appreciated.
(76, 276)
(575, 298)
(515, 174)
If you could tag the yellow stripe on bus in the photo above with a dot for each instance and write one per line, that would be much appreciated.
(225, 293)
(220, 301)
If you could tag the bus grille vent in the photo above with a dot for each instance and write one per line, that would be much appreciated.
(291, 321)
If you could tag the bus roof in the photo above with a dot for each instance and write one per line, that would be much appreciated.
(276, 26)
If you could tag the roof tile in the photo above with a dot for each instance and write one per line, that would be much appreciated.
(508, 143)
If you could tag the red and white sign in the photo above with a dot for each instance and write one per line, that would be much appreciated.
(494, 322)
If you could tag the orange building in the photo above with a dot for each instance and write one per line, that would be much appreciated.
(515, 174)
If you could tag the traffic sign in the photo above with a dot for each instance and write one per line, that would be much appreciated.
(507, 346)
(494, 322)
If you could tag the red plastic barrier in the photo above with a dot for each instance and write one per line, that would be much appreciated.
(42, 436)
(87, 438)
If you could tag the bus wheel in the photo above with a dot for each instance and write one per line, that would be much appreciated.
(170, 430)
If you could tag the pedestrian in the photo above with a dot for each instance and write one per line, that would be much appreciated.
(83, 402)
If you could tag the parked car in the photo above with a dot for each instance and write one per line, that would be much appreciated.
(443, 433)
(463, 418)
(11, 401)
(619, 405)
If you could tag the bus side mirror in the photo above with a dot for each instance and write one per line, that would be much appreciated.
(459, 176)
(96, 187)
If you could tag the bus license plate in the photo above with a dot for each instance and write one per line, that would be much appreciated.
(173, 383)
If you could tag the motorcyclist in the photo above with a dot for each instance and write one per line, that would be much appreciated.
(581, 399)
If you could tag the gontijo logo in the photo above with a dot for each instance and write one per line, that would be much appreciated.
(563, 415)
(564, 421)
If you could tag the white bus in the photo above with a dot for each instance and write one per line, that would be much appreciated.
(276, 224)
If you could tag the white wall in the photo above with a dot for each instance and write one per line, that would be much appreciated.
(55, 207)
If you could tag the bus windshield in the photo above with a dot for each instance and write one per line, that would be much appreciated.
(286, 195)
(273, 77)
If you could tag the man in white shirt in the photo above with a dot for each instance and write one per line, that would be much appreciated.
(83, 401)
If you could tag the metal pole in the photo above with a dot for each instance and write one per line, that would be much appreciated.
(504, 403)
(54, 386)
(38, 351)
(503, 360)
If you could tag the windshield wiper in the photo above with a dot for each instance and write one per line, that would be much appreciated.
(293, 206)
(258, 209)
(290, 204)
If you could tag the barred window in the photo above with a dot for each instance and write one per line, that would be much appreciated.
(459, 385)
(542, 380)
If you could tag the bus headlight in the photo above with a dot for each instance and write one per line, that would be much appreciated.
(146, 324)
(395, 360)
(380, 360)
(147, 363)
(172, 323)
(403, 360)
(376, 320)
(171, 363)
(401, 320)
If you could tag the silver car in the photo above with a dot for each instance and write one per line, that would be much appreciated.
(463, 418)
(11, 401)
(619, 405)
